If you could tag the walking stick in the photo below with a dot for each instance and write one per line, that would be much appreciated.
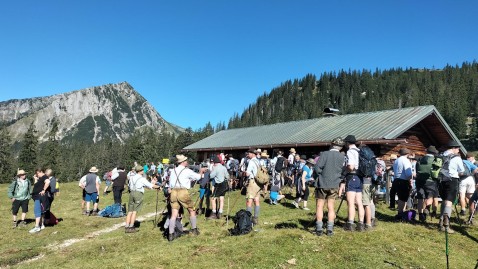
(156, 214)
(446, 240)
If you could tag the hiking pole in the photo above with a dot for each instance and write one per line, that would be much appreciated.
(446, 240)
(456, 210)
(470, 220)
(227, 216)
(155, 223)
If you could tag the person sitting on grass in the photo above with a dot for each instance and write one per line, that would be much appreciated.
(136, 188)
(19, 193)
(275, 195)
(40, 194)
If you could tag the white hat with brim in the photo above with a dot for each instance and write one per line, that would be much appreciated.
(21, 172)
(93, 169)
(181, 158)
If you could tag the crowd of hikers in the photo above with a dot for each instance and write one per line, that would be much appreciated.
(345, 172)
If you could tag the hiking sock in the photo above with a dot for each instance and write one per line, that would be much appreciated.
(447, 211)
(318, 225)
(442, 209)
(249, 208)
(330, 225)
(172, 225)
(193, 222)
(256, 211)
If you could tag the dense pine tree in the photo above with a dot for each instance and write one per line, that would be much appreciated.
(28, 153)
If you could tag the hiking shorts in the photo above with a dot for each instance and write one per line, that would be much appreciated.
(135, 201)
(353, 184)
(181, 197)
(448, 189)
(467, 185)
(93, 197)
(403, 189)
(20, 203)
(253, 190)
(428, 190)
(220, 189)
(367, 194)
(326, 194)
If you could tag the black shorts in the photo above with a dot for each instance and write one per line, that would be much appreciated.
(427, 190)
(403, 189)
(448, 189)
(20, 203)
(84, 194)
(220, 189)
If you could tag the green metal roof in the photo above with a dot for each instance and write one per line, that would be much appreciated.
(369, 126)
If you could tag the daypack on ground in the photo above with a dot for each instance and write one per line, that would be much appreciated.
(112, 211)
(243, 223)
(367, 162)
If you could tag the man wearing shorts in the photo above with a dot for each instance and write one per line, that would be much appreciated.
(425, 184)
(467, 184)
(329, 169)
(402, 170)
(353, 185)
(220, 175)
(136, 187)
(19, 192)
(92, 188)
(180, 182)
(253, 190)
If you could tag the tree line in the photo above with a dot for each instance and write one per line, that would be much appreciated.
(453, 90)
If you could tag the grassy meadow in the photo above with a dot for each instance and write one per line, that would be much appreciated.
(280, 241)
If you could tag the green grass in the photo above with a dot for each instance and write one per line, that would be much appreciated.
(279, 238)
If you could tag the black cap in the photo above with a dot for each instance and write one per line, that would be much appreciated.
(351, 139)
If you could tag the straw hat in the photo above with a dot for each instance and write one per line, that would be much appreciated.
(311, 161)
(138, 168)
(93, 169)
(264, 154)
(181, 158)
(292, 150)
(21, 172)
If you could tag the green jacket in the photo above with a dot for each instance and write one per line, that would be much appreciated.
(19, 190)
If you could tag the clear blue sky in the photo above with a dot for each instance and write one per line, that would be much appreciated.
(199, 61)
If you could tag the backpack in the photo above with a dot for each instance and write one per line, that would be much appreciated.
(424, 168)
(467, 171)
(112, 211)
(243, 223)
(367, 162)
(262, 176)
(436, 167)
(280, 164)
(444, 174)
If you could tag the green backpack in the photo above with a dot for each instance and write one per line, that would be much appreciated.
(436, 167)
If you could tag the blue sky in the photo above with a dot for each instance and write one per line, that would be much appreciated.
(200, 61)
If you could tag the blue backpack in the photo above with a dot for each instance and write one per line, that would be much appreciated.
(112, 211)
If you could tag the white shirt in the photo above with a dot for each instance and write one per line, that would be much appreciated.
(185, 175)
(402, 168)
(353, 157)
(455, 166)
(82, 182)
(138, 182)
(291, 158)
(252, 167)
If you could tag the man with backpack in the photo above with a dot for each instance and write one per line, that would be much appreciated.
(353, 185)
(367, 170)
(467, 183)
(402, 170)
(253, 190)
(19, 192)
(425, 184)
(329, 170)
(449, 175)
(118, 177)
(279, 164)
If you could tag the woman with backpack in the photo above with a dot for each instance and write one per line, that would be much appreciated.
(302, 184)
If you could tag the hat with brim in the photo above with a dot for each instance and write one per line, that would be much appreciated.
(138, 168)
(311, 161)
(215, 159)
(251, 151)
(21, 172)
(393, 156)
(181, 158)
(453, 144)
(350, 139)
(265, 155)
(432, 150)
(403, 151)
(93, 169)
(292, 150)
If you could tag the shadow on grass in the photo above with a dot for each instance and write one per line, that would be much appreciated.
(286, 225)
(463, 230)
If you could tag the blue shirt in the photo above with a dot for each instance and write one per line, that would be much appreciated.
(470, 165)
(402, 168)
(306, 169)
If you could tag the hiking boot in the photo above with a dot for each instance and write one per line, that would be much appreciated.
(360, 227)
(368, 227)
(15, 225)
(349, 227)
(422, 217)
(443, 229)
(255, 220)
(330, 232)
(306, 208)
(94, 213)
(127, 230)
(295, 204)
(319, 232)
(212, 216)
(35, 230)
(22, 223)
(171, 237)
(433, 214)
(446, 220)
(462, 213)
(219, 215)
(85, 213)
(42, 227)
(194, 231)
(374, 223)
